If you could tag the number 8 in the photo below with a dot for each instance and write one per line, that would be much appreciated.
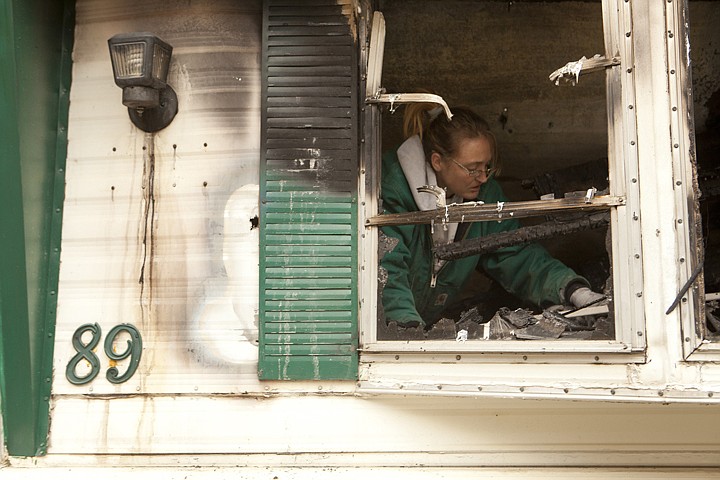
(85, 350)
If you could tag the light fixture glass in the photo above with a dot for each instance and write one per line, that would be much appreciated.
(161, 62)
(127, 60)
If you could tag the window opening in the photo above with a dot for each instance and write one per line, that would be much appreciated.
(553, 143)
(705, 105)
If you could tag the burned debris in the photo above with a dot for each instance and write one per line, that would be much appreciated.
(507, 324)
(712, 315)
(553, 228)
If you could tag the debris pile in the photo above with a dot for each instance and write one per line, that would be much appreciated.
(712, 316)
(507, 324)
(521, 324)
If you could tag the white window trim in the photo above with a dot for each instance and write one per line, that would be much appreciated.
(657, 372)
(627, 258)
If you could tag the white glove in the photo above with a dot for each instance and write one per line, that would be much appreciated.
(584, 296)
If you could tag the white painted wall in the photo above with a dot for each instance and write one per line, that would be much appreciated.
(181, 262)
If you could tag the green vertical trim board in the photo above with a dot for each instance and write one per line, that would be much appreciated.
(53, 242)
(35, 54)
(16, 385)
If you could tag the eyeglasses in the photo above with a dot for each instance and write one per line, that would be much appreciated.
(474, 173)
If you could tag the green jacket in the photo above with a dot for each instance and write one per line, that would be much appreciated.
(528, 270)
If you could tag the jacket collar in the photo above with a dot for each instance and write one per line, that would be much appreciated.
(418, 173)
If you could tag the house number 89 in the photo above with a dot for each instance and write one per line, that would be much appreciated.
(85, 352)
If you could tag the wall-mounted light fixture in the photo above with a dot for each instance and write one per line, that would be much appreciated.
(140, 63)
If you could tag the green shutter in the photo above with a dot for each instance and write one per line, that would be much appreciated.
(308, 224)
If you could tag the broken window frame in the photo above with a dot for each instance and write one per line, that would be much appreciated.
(624, 222)
(691, 297)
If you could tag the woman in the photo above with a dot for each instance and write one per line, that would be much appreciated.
(460, 156)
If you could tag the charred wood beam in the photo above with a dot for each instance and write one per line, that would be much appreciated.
(495, 241)
(487, 212)
(569, 179)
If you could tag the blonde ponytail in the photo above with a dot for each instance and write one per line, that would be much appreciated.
(416, 118)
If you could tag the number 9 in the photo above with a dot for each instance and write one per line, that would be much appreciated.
(134, 350)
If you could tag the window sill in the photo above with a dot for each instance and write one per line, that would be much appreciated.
(662, 394)
(555, 377)
(499, 351)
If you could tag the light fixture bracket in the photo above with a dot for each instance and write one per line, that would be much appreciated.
(154, 119)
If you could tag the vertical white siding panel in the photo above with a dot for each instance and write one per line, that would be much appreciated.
(185, 273)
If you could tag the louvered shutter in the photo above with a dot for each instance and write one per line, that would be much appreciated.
(308, 220)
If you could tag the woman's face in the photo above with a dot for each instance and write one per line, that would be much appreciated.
(464, 172)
